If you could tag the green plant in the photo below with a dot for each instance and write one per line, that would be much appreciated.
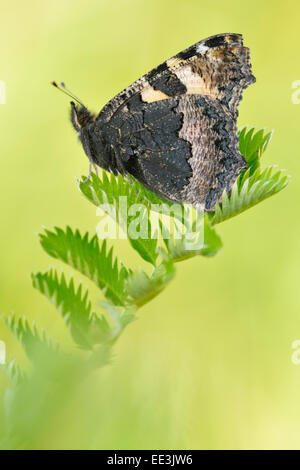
(95, 329)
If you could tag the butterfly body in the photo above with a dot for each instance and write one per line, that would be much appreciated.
(175, 128)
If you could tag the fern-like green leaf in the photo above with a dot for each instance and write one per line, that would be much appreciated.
(107, 188)
(85, 326)
(145, 245)
(143, 288)
(249, 190)
(253, 145)
(13, 371)
(115, 195)
(199, 238)
(90, 258)
(35, 344)
(119, 318)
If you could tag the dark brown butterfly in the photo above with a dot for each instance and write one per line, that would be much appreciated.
(175, 129)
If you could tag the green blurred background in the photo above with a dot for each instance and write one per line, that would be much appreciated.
(208, 363)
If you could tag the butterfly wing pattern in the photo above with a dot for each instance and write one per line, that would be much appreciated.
(175, 129)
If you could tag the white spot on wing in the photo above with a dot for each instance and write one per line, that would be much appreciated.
(201, 48)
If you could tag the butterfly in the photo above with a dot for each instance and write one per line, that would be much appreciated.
(175, 128)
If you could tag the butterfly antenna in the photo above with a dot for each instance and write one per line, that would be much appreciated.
(62, 87)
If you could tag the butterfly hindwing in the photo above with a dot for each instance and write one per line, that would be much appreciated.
(215, 158)
(186, 148)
